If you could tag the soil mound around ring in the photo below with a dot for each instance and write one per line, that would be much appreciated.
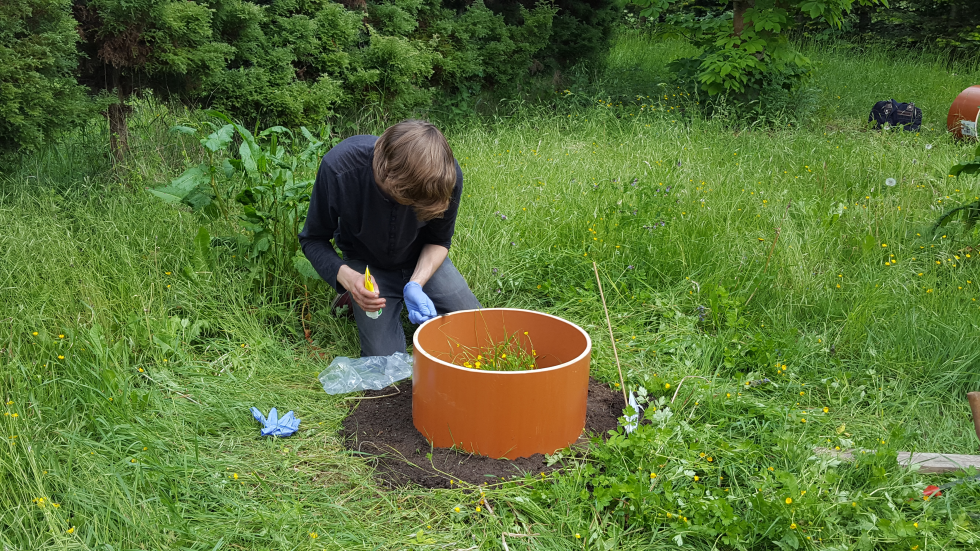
(382, 428)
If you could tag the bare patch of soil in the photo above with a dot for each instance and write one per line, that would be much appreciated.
(383, 429)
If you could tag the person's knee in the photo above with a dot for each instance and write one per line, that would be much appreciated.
(383, 336)
(449, 291)
(382, 346)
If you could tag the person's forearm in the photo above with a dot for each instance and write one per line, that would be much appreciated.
(429, 261)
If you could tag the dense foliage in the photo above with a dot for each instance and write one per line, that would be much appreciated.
(158, 45)
(950, 24)
(292, 63)
(745, 44)
(38, 94)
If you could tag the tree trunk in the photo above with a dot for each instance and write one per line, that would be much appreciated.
(739, 7)
(118, 128)
(864, 18)
(118, 132)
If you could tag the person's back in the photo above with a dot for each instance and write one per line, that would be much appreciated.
(389, 203)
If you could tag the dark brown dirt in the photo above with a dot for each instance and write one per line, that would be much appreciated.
(382, 428)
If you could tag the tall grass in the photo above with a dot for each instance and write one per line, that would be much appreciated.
(132, 398)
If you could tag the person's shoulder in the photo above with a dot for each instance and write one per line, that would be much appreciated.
(458, 188)
(353, 153)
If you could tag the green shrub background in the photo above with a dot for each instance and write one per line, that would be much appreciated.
(38, 91)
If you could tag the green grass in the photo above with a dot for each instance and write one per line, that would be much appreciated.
(138, 433)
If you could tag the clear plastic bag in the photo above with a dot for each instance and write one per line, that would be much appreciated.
(369, 373)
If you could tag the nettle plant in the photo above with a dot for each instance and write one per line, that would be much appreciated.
(746, 47)
(258, 183)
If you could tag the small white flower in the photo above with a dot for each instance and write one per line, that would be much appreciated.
(890, 182)
(928, 146)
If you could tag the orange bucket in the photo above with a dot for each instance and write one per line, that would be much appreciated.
(500, 414)
(963, 114)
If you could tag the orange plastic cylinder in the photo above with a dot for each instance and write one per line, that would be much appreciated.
(500, 414)
(963, 114)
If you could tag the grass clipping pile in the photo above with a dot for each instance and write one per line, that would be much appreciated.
(383, 428)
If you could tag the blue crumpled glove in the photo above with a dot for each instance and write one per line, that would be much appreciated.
(275, 425)
(420, 307)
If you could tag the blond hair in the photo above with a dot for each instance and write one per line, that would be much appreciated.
(414, 165)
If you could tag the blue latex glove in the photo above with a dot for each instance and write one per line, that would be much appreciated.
(420, 307)
(275, 425)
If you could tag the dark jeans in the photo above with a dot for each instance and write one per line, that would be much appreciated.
(385, 336)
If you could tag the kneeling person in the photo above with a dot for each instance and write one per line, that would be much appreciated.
(389, 203)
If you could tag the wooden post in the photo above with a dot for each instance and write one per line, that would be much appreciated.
(974, 398)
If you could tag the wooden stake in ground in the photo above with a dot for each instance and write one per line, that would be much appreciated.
(612, 339)
(974, 398)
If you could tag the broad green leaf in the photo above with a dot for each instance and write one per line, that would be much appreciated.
(184, 184)
(275, 130)
(263, 241)
(219, 139)
(246, 197)
(188, 272)
(168, 194)
(202, 248)
(183, 129)
(198, 199)
(303, 266)
(971, 167)
(248, 162)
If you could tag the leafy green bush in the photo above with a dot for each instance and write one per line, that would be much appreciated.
(581, 28)
(157, 45)
(745, 49)
(260, 186)
(38, 96)
(299, 63)
(948, 24)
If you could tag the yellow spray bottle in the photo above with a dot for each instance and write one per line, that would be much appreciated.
(370, 287)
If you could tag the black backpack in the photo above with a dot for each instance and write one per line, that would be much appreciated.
(893, 113)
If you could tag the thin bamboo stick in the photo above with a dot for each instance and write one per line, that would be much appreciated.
(622, 383)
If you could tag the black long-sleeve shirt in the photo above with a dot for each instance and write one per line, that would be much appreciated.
(348, 206)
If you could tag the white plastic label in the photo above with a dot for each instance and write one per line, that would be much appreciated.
(968, 128)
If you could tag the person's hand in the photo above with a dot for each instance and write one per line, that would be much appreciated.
(420, 307)
(353, 281)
